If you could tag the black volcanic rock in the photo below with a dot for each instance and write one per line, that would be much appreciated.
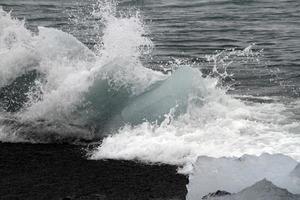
(87, 197)
(218, 193)
(60, 171)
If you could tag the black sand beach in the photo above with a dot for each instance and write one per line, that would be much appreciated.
(60, 171)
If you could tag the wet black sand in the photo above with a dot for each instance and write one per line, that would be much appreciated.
(58, 171)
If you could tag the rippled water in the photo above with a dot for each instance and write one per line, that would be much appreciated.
(192, 29)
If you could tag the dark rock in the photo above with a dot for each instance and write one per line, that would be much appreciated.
(67, 198)
(86, 197)
(61, 171)
(218, 193)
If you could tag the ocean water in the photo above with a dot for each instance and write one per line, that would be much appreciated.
(156, 81)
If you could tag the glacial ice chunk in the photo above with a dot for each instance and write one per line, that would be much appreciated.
(171, 93)
(234, 174)
(262, 190)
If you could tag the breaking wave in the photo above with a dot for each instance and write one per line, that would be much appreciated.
(51, 82)
(54, 88)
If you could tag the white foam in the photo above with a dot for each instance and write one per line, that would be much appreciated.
(69, 69)
(15, 50)
(218, 126)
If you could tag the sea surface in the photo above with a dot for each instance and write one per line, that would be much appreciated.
(161, 81)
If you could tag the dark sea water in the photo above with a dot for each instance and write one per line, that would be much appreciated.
(78, 71)
(192, 29)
